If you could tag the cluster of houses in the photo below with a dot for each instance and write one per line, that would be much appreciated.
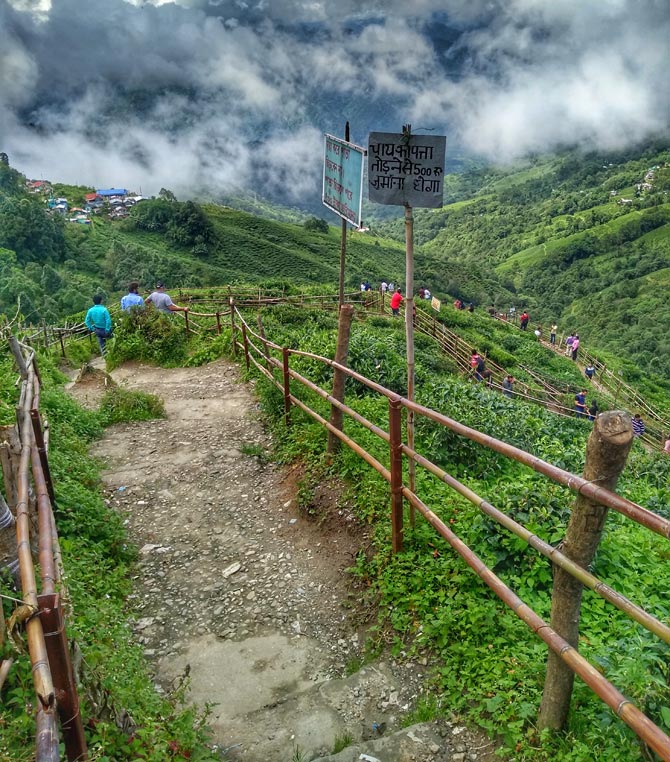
(115, 202)
(640, 188)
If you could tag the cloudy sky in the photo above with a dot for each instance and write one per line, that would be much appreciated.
(221, 95)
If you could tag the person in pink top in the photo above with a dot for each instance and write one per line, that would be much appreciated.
(396, 300)
(575, 347)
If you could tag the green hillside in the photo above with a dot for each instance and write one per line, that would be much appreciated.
(581, 240)
(569, 237)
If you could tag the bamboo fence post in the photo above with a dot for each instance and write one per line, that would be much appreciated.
(232, 326)
(245, 342)
(46, 739)
(395, 447)
(606, 453)
(42, 451)
(62, 343)
(339, 378)
(18, 357)
(287, 386)
(51, 616)
(266, 348)
(218, 323)
(36, 645)
(10, 453)
(8, 558)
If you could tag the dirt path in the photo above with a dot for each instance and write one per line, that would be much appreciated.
(238, 589)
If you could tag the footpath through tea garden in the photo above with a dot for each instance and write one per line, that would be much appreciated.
(243, 593)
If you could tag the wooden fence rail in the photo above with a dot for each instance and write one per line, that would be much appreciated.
(279, 373)
(48, 647)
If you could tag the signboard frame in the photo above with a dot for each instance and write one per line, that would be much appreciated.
(340, 177)
(406, 169)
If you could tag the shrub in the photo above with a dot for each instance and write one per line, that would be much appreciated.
(150, 336)
(122, 405)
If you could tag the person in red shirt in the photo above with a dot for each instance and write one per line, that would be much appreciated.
(396, 300)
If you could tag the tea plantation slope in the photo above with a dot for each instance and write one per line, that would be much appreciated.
(559, 230)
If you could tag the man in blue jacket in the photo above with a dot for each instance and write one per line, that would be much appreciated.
(99, 321)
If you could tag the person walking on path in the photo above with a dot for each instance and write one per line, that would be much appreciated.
(575, 346)
(638, 425)
(666, 446)
(580, 404)
(552, 334)
(161, 301)
(474, 362)
(99, 321)
(523, 320)
(396, 301)
(132, 298)
(593, 410)
(590, 371)
(568, 345)
(508, 386)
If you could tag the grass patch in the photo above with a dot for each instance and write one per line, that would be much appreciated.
(342, 741)
(123, 406)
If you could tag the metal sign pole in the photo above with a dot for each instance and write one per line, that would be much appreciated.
(409, 333)
(343, 242)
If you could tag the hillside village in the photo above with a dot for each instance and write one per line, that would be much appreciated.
(114, 203)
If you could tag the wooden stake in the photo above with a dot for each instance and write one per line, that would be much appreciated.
(339, 378)
(606, 453)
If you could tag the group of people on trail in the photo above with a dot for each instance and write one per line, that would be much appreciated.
(481, 373)
(99, 321)
(572, 346)
(478, 368)
(424, 293)
(459, 304)
(581, 409)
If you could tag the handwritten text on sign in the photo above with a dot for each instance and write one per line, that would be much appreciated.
(343, 178)
(406, 171)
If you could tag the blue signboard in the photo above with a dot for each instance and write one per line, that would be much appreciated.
(343, 178)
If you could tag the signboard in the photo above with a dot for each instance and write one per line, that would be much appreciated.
(343, 178)
(435, 304)
(406, 170)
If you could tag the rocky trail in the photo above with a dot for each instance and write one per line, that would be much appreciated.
(243, 593)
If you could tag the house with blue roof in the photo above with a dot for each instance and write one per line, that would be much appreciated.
(109, 192)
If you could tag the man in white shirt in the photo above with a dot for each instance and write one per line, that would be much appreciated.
(161, 301)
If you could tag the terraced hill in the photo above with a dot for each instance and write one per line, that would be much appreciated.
(579, 240)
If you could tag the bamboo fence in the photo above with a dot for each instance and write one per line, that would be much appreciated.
(280, 374)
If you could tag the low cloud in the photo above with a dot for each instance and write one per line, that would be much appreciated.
(218, 96)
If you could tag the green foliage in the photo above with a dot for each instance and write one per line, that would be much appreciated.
(316, 225)
(28, 229)
(151, 336)
(342, 742)
(183, 223)
(124, 405)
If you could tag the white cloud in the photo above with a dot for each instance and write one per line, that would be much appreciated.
(214, 94)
